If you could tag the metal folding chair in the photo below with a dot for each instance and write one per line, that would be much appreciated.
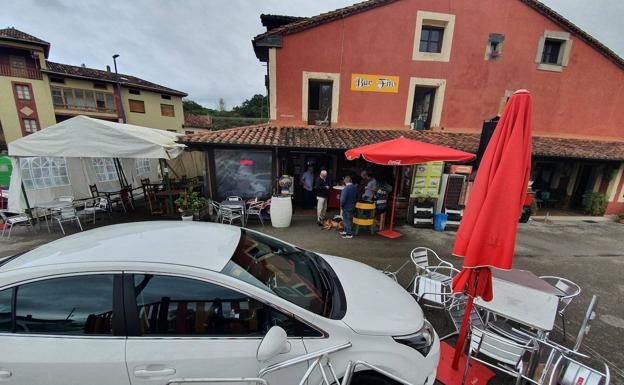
(11, 219)
(434, 277)
(66, 214)
(229, 214)
(570, 289)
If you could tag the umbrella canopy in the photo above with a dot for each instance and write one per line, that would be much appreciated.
(487, 234)
(84, 137)
(404, 152)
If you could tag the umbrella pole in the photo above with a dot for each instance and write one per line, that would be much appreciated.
(461, 339)
(390, 233)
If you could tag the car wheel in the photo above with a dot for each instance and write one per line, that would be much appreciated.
(371, 378)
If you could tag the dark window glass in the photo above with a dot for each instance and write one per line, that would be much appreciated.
(244, 173)
(100, 85)
(5, 310)
(314, 96)
(166, 97)
(57, 80)
(181, 306)
(281, 269)
(69, 305)
(134, 91)
(431, 39)
(550, 55)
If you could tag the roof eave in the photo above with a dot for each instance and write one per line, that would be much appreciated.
(126, 84)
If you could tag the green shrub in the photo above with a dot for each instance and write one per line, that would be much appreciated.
(595, 203)
(620, 217)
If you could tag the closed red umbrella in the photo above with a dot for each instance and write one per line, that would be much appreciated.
(487, 234)
(404, 152)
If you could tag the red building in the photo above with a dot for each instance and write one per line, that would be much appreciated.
(420, 68)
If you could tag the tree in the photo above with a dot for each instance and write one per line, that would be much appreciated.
(195, 108)
(256, 107)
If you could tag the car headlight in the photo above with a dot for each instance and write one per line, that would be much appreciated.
(422, 340)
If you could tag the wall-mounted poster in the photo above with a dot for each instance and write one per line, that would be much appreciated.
(374, 83)
(426, 182)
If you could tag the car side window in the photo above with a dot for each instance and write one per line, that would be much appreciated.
(170, 305)
(68, 305)
(6, 298)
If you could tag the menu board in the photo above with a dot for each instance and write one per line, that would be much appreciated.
(426, 181)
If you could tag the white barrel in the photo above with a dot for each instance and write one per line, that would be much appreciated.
(281, 211)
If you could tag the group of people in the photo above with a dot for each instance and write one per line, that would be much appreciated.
(320, 187)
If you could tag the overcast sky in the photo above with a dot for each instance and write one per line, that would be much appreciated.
(203, 47)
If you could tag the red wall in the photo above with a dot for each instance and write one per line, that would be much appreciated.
(582, 100)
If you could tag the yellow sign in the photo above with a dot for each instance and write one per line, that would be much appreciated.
(374, 83)
(426, 182)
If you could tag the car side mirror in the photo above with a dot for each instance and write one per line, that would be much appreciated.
(274, 342)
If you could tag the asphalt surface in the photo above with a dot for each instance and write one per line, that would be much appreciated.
(590, 254)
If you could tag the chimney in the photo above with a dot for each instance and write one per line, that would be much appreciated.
(107, 68)
(83, 65)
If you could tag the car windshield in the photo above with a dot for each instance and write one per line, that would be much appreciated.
(286, 271)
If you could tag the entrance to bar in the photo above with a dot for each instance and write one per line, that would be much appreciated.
(298, 162)
(584, 184)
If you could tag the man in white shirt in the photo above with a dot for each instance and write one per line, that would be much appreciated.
(307, 182)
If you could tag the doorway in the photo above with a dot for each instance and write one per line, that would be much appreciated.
(422, 110)
(319, 102)
(585, 182)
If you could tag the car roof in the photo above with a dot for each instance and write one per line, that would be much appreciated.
(197, 244)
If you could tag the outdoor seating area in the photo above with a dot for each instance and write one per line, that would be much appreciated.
(235, 210)
(514, 334)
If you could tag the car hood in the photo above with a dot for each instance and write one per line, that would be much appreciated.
(376, 304)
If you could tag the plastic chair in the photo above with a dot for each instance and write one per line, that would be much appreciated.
(433, 279)
(11, 219)
(570, 291)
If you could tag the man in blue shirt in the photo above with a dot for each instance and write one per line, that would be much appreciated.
(348, 198)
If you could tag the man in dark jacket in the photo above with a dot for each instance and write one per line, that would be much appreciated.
(348, 198)
(321, 188)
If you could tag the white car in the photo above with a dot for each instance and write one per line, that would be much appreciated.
(149, 302)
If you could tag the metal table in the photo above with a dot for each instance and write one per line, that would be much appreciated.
(236, 205)
(523, 297)
(48, 207)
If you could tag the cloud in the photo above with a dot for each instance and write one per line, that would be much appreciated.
(204, 47)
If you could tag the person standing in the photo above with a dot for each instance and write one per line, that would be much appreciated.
(307, 182)
(348, 198)
(321, 188)
(371, 188)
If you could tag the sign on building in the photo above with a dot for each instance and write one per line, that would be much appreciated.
(426, 182)
(374, 83)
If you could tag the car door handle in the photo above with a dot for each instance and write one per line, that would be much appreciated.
(154, 373)
(5, 373)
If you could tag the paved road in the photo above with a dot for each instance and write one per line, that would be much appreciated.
(591, 254)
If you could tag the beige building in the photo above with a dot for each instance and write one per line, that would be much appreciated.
(36, 93)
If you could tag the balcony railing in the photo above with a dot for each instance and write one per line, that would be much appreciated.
(28, 73)
(84, 108)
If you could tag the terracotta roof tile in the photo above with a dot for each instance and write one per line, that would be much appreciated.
(197, 121)
(91, 73)
(345, 138)
(546, 11)
(15, 34)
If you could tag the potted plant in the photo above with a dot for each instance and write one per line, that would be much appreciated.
(620, 218)
(595, 203)
(190, 205)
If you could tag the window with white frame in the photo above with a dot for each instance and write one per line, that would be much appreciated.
(30, 125)
(22, 91)
(143, 166)
(553, 51)
(44, 172)
(433, 36)
(105, 170)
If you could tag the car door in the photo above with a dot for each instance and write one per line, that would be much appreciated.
(62, 330)
(189, 328)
